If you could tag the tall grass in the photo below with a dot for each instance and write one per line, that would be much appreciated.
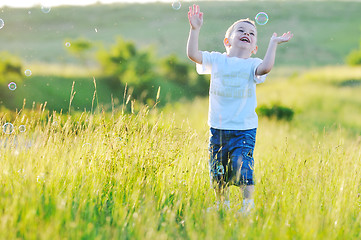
(145, 176)
(97, 175)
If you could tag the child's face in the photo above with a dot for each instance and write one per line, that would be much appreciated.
(243, 36)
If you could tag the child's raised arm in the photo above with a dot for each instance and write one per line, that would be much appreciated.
(269, 59)
(195, 18)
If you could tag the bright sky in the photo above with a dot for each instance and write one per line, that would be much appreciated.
(52, 3)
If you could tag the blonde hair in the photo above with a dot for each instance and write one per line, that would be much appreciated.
(230, 29)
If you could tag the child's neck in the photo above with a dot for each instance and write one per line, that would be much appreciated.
(238, 52)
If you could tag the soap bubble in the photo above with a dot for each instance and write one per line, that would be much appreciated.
(27, 72)
(176, 5)
(22, 128)
(87, 146)
(67, 44)
(41, 178)
(261, 18)
(12, 86)
(1, 23)
(8, 128)
(45, 9)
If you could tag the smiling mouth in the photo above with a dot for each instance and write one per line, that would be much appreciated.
(245, 39)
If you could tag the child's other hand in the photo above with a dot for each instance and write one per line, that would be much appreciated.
(195, 17)
(284, 38)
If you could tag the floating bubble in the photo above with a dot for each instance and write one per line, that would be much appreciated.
(87, 145)
(27, 72)
(176, 5)
(22, 173)
(220, 169)
(67, 44)
(261, 18)
(41, 178)
(22, 128)
(1, 23)
(12, 86)
(8, 128)
(45, 9)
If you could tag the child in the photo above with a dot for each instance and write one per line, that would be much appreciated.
(232, 102)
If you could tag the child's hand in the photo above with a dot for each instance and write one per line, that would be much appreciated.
(284, 38)
(195, 17)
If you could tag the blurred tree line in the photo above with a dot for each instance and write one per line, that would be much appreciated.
(142, 72)
(123, 65)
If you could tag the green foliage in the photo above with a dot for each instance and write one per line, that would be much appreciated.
(139, 70)
(78, 46)
(10, 71)
(175, 71)
(10, 67)
(130, 67)
(354, 58)
(276, 111)
(201, 85)
(183, 73)
(121, 57)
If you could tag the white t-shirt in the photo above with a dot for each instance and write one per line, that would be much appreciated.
(232, 92)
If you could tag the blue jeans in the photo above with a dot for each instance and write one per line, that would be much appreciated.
(231, 159)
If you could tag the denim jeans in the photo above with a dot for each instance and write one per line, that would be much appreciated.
(231, 156)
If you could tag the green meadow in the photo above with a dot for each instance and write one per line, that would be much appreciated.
(84, 159)
(325, 33)
(325, 30)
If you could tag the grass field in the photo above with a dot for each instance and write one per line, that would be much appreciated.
(39, 40)
(107, 173)
(56, 91)
(145, 175)
(324, 31)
